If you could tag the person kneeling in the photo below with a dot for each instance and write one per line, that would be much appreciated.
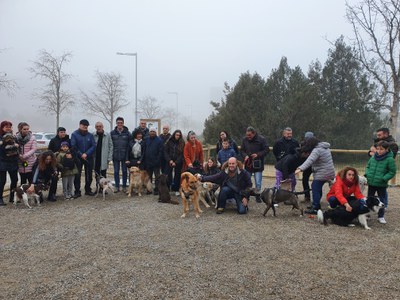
(235, 183)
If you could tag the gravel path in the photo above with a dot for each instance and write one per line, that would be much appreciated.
(137, 248)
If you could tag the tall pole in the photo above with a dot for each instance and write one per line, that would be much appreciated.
(177, 112)
(136, 100)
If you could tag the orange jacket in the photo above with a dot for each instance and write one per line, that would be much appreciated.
(342, 191)
(192, 153)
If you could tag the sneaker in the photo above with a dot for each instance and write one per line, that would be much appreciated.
(77, 195)
(276, 204)
(220, 211)
(311, 211)
(382, 220)
(177, 194)
(320, 216)
(89, 193)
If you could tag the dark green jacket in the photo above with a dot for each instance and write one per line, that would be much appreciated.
(380, 170)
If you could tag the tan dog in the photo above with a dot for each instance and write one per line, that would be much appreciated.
(189, 193)
(135, 181)
(206, 191)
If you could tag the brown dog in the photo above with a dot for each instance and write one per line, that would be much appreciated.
(189, 193)
(163, 190)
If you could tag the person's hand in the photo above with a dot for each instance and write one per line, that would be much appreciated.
(198, 176)
(348, 207)
(84, 156)
(31, 189)
(246, 158)
(127, 162)
(190, 165)
(254, 155)
(297, 171)
(245, 201)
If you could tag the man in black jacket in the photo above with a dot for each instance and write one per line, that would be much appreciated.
(55, 143)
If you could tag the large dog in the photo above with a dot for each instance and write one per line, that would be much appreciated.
(207, 193)
(341, 217)
(189, 193)
(271, 196)
(20, 194)
(139, 180)
(104, 185)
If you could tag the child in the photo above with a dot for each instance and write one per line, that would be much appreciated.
(226, 152)
(66, 163)
(380, 169)
(210, 168)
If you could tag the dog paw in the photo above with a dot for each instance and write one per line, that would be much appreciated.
(183, 216)
(367, 228)
(197, 216)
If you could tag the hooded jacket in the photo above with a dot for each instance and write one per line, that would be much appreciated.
(380, 169)
(321, 162)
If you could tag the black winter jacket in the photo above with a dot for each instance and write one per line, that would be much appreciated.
(121, 142)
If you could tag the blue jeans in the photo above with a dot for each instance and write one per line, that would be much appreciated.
(316, 188)
(117, 164)
(227, 193)
(257, 179)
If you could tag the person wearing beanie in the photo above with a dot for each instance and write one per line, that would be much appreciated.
(66, 163)
(55, 143)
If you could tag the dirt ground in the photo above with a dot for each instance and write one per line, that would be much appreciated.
(137, 248)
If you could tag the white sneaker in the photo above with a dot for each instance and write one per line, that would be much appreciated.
(320, 216)
(177, 194)
(276, 205)
(382, 220)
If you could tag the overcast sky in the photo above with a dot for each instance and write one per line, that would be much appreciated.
(183, 46)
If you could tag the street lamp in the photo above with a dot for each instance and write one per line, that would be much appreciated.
(136, 108)
(177, 112)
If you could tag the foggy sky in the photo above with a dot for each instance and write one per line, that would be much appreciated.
(188, 47)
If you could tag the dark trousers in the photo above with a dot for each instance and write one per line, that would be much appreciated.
(26, 177)
(306, 182)
(13, 184)
(156, 172)
(382, 192)
(88, 165)
(227, 193)
(174, 176)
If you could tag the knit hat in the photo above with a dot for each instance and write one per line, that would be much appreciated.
(65, 144)
(61, 129)
(153, 129)
(308, 134)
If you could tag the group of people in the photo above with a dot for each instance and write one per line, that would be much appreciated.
(232, 167)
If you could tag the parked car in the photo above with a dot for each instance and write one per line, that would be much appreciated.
(43, 138)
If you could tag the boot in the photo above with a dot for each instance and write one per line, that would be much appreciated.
(2, 202)
(11, 199)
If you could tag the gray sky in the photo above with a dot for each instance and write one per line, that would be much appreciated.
(189, 47)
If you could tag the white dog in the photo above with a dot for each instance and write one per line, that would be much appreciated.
(106, 185)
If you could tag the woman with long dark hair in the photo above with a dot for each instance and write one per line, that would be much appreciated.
(45, 172)
(173, 154)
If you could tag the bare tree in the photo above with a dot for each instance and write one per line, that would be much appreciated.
(7, 85)
(149, 107)
(109, 98)
(377, 36)
(55, 100)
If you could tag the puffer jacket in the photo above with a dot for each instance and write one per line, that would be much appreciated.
(55, 143)
(321, 162)
(153, 151)
(380, 169)
(27, 149)
(121, 141)
(65, 172)
(83, 142)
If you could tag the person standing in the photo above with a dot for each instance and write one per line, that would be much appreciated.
(143, 128)
(320, 159)
(8, 159)
(224, 135)
(173, 154)
(136, 151)
(306, 173)
(153, 151)
(165, 135)
(254, 149)
(66, 163)
(121, 139)
(82, 141)
(27, 148)
(55, 142)
(104, 150)
(193, 155)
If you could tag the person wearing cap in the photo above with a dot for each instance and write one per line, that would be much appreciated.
(153, 151)
(82, 141)
(55, 143)
(66, 164)
(121, 139)
(104, 150)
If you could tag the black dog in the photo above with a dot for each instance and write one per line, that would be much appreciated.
(341, 217)
(163, 190)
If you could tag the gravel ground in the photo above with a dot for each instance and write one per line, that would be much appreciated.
(137, 248)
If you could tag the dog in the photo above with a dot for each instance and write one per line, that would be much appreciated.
(189, 193)
(341, 217)
(20, 194)
(363, 183)
(163, 190)
(207, 193)
(135, 181)
(105, 185)
(270, 196)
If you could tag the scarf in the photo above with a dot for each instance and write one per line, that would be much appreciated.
(22, 140)
(348, 183)
(380, 157)
(137, 149)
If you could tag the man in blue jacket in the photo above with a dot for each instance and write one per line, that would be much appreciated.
(154, 150)
(84, 145)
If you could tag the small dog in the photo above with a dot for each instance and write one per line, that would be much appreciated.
(189, 193)
(207, 193)
(362, 181)
(105, 185)
(341, 217)
(20, 194)
(163, 190)
(270, 196)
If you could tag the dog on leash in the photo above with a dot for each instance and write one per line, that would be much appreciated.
(189, 193)
(20, 194)
(139, 181)
(271, 196)
(163, 190)
(103, 184)
(341, 217)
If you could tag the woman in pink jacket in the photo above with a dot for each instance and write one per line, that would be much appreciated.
(27, 149)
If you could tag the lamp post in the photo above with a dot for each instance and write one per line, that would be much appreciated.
(177, 112)
(136, 104)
